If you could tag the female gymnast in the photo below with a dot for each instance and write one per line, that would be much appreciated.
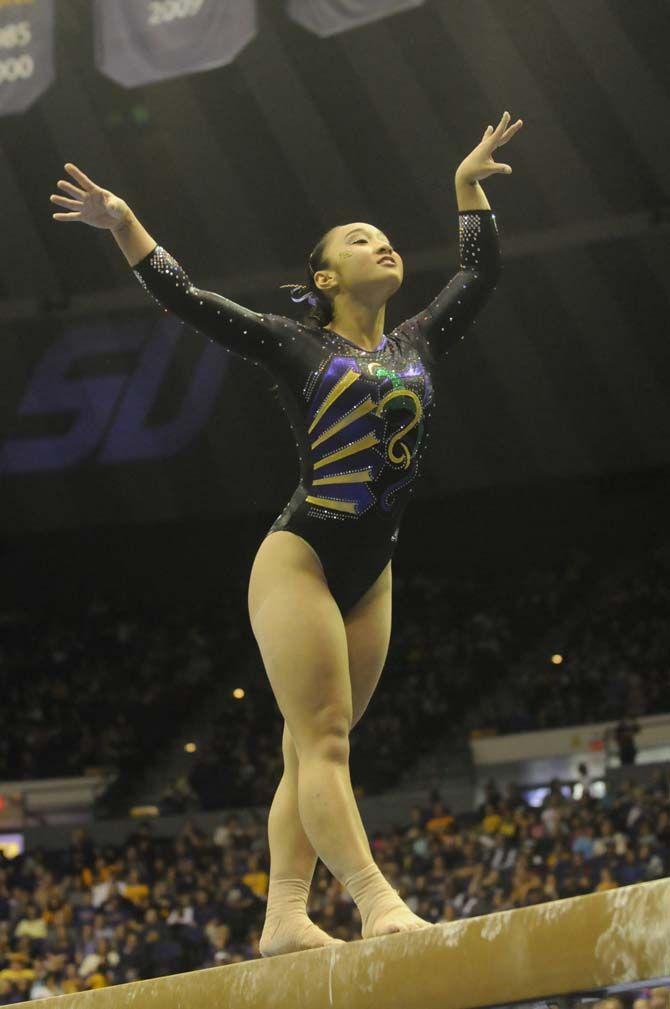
(359, 401)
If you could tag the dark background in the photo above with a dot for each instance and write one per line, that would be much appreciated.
(239, 170)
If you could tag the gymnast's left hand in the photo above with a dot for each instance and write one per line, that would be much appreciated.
(480, 164)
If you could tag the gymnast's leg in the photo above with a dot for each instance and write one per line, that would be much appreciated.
(287, 926)
(302, 640)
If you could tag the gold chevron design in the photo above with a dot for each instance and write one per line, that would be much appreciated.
(367, 406)
(367, 441)
(342, 385)
(361, 476)
(338, 506)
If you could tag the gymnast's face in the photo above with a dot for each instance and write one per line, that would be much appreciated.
(354, 252)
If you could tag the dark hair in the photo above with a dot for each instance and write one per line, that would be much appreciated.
(320, 312)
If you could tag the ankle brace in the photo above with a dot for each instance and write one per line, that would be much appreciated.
(372, 893)
(286, 896)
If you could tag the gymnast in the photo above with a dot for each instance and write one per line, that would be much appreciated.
(359, 402)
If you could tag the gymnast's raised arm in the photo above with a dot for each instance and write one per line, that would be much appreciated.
(454, 309)
(235, 327)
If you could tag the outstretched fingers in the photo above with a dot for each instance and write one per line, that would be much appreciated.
(64, 202)
(88, 186)
(81, 178)
(66, 217)
(69, 188)
(502, 132)
(509, 133)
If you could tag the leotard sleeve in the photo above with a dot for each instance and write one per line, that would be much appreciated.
(253, 336)
(450, 314)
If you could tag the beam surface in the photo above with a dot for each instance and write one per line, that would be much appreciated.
(556, 948)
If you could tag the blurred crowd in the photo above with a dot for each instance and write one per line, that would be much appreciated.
(641, 998)
(79, 683)
(616, 658)
(78, 693)
(448, 632)
(97, 915)
(79, 690)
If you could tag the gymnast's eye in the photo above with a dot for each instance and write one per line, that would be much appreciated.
(360, 240)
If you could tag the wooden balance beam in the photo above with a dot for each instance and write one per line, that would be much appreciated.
(557, 948)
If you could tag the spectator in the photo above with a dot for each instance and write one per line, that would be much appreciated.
(625, 733)
(33, 924)
(607, 881)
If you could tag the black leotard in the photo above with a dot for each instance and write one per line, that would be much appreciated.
(359, 417)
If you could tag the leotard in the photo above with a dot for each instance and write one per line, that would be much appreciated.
(360, 417)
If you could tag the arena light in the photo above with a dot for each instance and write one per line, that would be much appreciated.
(137, 812)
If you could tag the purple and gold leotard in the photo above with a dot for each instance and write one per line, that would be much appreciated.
(360, 417)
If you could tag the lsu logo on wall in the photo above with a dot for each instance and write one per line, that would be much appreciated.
(109, 411)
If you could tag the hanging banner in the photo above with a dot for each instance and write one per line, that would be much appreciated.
(330, 17)
(26, 53)
(142, 41)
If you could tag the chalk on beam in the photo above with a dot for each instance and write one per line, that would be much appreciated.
(556, 948)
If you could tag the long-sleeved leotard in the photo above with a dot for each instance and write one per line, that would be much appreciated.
(359, 417)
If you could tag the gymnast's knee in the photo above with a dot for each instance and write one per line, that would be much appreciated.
(325, 738)
(288, 750)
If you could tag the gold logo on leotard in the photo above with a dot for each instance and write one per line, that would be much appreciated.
(406, 456)
(367, 441)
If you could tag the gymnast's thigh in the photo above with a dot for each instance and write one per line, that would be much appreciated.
(301, 638)
(280, 552)
(368, 628)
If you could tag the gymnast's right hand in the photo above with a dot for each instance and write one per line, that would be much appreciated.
(91, 204)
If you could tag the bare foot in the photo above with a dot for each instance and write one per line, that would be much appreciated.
(291, 934)
(396, 919)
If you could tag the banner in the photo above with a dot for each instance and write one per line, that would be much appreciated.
(26, 53)
(142, 41)
(331, 17)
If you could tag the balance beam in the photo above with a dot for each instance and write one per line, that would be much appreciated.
(557, 948)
